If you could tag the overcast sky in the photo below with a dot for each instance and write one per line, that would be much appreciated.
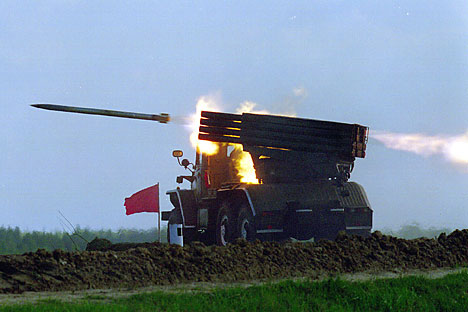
(395, 66)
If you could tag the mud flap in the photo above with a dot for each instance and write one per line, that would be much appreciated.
(306, 222)
(299, 223)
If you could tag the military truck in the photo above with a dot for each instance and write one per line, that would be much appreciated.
(303, 193)
(302, 167)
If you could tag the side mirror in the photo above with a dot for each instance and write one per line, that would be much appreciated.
(185, 162)
(177, 153)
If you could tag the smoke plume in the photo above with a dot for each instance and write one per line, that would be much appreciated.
(452, 148)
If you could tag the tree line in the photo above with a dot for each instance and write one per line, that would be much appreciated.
(15, 241)
(415, 230)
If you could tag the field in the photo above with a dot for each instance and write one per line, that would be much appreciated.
(449, 293)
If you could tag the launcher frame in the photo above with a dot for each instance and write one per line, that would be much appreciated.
(288, 149)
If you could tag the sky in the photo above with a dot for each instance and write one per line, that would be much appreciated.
(395, 66)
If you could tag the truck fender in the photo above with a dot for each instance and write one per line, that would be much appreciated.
(185, 204)
(241, 192)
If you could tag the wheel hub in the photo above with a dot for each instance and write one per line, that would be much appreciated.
(244, 229)
(223, 229)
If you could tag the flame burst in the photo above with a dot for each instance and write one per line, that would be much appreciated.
(244, 163)
(454, 149)
(204, 103)
(242, 160)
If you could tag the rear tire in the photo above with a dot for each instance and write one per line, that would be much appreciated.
(224, 226)
(246, 225)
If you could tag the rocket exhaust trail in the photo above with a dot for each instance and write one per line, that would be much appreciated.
(181, 120)
(453, 148)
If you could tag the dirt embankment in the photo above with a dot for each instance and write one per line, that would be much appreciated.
(137, 265)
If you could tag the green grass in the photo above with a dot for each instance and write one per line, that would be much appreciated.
(449, 293)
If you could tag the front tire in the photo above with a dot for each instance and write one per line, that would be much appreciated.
(224, 225)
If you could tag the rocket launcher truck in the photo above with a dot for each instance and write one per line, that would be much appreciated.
(302, 166)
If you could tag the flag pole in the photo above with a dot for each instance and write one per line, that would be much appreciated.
(159, 226)
(159, 218)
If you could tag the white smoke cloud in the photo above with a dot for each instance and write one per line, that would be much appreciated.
(291, 102)
(453, 148)
(250, 107)
(300, 92)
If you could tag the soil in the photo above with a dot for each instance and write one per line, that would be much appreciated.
(106, 265)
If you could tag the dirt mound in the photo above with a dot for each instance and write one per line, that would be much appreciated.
(102, 244)
(134, 265)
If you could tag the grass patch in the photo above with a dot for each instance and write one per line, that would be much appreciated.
(449, 293)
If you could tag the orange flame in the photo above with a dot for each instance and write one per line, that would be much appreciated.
(244, 163)
(204, 103)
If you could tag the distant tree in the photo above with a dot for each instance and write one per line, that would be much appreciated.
(415, 230)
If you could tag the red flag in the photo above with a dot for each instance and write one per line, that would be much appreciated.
(146, 200)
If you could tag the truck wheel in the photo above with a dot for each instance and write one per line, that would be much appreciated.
(224, 226)
(246, 225)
